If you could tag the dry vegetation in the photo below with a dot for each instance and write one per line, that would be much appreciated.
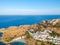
(12, 32)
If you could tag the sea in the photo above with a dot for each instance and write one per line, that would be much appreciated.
(17, 20)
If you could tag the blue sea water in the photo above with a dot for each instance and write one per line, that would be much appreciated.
(16, 20)
(1, 34)
(1, 43)
(13, 43)
(17, 43)
(6, 21)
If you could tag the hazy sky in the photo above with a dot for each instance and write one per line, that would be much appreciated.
(29, 7)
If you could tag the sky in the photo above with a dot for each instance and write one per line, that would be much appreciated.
(29, 7)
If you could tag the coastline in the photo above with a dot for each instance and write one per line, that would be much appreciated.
(18, 39)
(18, 33)
(8, 43)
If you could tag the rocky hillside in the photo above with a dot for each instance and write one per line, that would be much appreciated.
(53, 25)
(14, 31)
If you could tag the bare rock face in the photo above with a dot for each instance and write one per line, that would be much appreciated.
(53, 25)
(54, 22)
